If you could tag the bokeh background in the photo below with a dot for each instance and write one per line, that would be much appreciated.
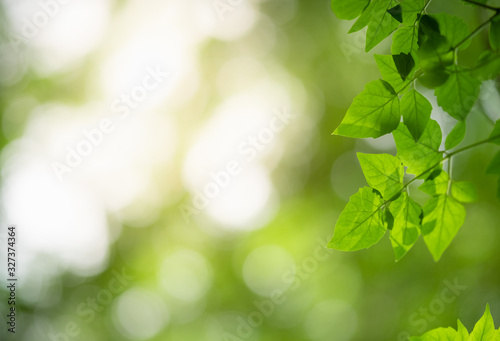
(136, 240)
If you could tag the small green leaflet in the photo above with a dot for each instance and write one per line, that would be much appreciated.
(494, 166)
(361, 223)
(484, 330)
(416, 112)
(443, 217)
(495, 134)
(464, 191)
(458, 94)
(495, 35)
(348, 9)
(405, 40)
(406, 226)
(419, 156)
(453, 28)
(373, 113)
(456, 135)
(383, 172)
(436, 183)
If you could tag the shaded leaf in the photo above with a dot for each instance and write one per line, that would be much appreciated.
(396, 12)
(495, 134)
(459, 94)
(487, 66)
(433, 78)
(404, 64)
(453, 28)
(494, 166)
(435, 53)
(495, 35)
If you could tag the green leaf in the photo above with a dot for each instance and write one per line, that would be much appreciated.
(495, 134)
(439, 334)
(378, 30)
(456, 135)
(396, 12)
(404, 64)
(361, 223)
(498, 189)
(365, 17)
(406, 226)
(453, 28)
(462, 332)
(443, 217)
(428, 26)
(348, 9)
(464, 191)
(487, 66)
(495, 35)
(433, 78)
(411, 9)
(392, 73)
(373, 113)
(484, 330)
(459, 94)
(494, 166)
(405, 40)
(435, 53)
(436, 183)
(383, 172)
(380, 22)
(419, 156)
(416, 112)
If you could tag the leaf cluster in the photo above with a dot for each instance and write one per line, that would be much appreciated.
(484, 330)
(424, 51)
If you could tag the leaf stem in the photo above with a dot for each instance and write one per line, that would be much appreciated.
(476, 31)
(447, 157)
(482, 5)
(458, 151)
